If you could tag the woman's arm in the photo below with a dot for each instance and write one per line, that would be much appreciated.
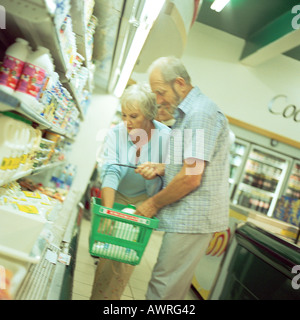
(108, 197)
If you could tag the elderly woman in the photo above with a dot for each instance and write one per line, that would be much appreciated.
(137, 139)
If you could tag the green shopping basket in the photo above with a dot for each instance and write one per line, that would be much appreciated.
(118, 235)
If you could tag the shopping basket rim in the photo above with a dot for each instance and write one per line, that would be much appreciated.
(123, 216)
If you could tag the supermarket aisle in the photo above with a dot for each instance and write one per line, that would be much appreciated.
(136, 289)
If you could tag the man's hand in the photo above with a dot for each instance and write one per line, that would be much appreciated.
(147, 208)
(150, 170)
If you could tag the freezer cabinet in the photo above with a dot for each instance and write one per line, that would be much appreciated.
(261, 180)
(258, 266)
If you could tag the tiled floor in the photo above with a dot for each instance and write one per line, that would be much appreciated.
(136, 289)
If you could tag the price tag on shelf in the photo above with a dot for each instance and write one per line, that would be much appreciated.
(64, 258)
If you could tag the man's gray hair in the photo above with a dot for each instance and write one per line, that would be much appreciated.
(140, 96)
(171, 68)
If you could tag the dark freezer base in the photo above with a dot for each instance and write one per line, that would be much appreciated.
(257, 266)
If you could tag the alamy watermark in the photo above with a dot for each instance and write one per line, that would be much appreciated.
(164, 147)
(296, 19)
(2, 18)
(295, 280)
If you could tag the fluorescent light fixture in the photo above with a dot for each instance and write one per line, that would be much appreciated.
(149, 14)
(218, 5)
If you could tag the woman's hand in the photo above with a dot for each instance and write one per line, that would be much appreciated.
(150, 170)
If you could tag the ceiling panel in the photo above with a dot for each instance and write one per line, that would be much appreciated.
(243, 18)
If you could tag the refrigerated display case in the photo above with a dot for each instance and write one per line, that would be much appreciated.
(261, 180)
(292, 188)
(258, 266)
(238, 156)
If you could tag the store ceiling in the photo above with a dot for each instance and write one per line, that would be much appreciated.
(259, 22)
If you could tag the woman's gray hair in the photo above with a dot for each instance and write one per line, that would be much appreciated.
(140, 95)
(171, 68)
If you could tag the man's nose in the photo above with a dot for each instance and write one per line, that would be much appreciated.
(159, 99)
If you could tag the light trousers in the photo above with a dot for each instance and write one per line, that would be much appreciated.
(111, 277)
(176, 263)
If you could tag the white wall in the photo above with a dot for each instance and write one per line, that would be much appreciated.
(90, 138)
(212, 59)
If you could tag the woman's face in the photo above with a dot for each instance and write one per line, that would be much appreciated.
(134, 119)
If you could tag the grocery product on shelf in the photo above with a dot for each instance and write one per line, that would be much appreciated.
(38, 68)
(91, 27)
(67, 41)
(30, 202)
(261, 181)
(293, 184)
(15, 141)
(288, 209)
(13, 63)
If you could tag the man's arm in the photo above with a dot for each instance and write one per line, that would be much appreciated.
(187, 180)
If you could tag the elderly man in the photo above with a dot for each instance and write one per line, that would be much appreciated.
(194, 202)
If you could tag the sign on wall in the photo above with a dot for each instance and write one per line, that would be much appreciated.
(279, 106)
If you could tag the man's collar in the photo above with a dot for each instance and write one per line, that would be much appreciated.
(185, 106)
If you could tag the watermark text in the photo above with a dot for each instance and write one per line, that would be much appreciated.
(2, 18)
(296, 18)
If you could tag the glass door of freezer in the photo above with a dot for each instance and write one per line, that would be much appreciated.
(288, 205)
(292, 188)
(261, 180)
(238, 155)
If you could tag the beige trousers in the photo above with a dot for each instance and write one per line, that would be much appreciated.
(111, 277)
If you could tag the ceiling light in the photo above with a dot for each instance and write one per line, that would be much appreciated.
(149, 14)
(219, 5)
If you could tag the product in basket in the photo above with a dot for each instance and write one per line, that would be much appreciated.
(117, 252)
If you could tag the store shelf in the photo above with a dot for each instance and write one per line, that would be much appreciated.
(248, 188)
(267, 162)
(33, 171)
(44, 281)
(10, 103)
(37, 26)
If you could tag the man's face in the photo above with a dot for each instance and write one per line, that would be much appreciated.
(166, 94)
(165, 112)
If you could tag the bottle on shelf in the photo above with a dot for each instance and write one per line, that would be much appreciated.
(13, 148)
(37, 69)
(8, 138)
(13, 63)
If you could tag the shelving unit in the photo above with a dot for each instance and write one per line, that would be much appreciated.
(10, 103)
(34, 21)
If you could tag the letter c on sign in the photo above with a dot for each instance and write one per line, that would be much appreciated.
(272, 102)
